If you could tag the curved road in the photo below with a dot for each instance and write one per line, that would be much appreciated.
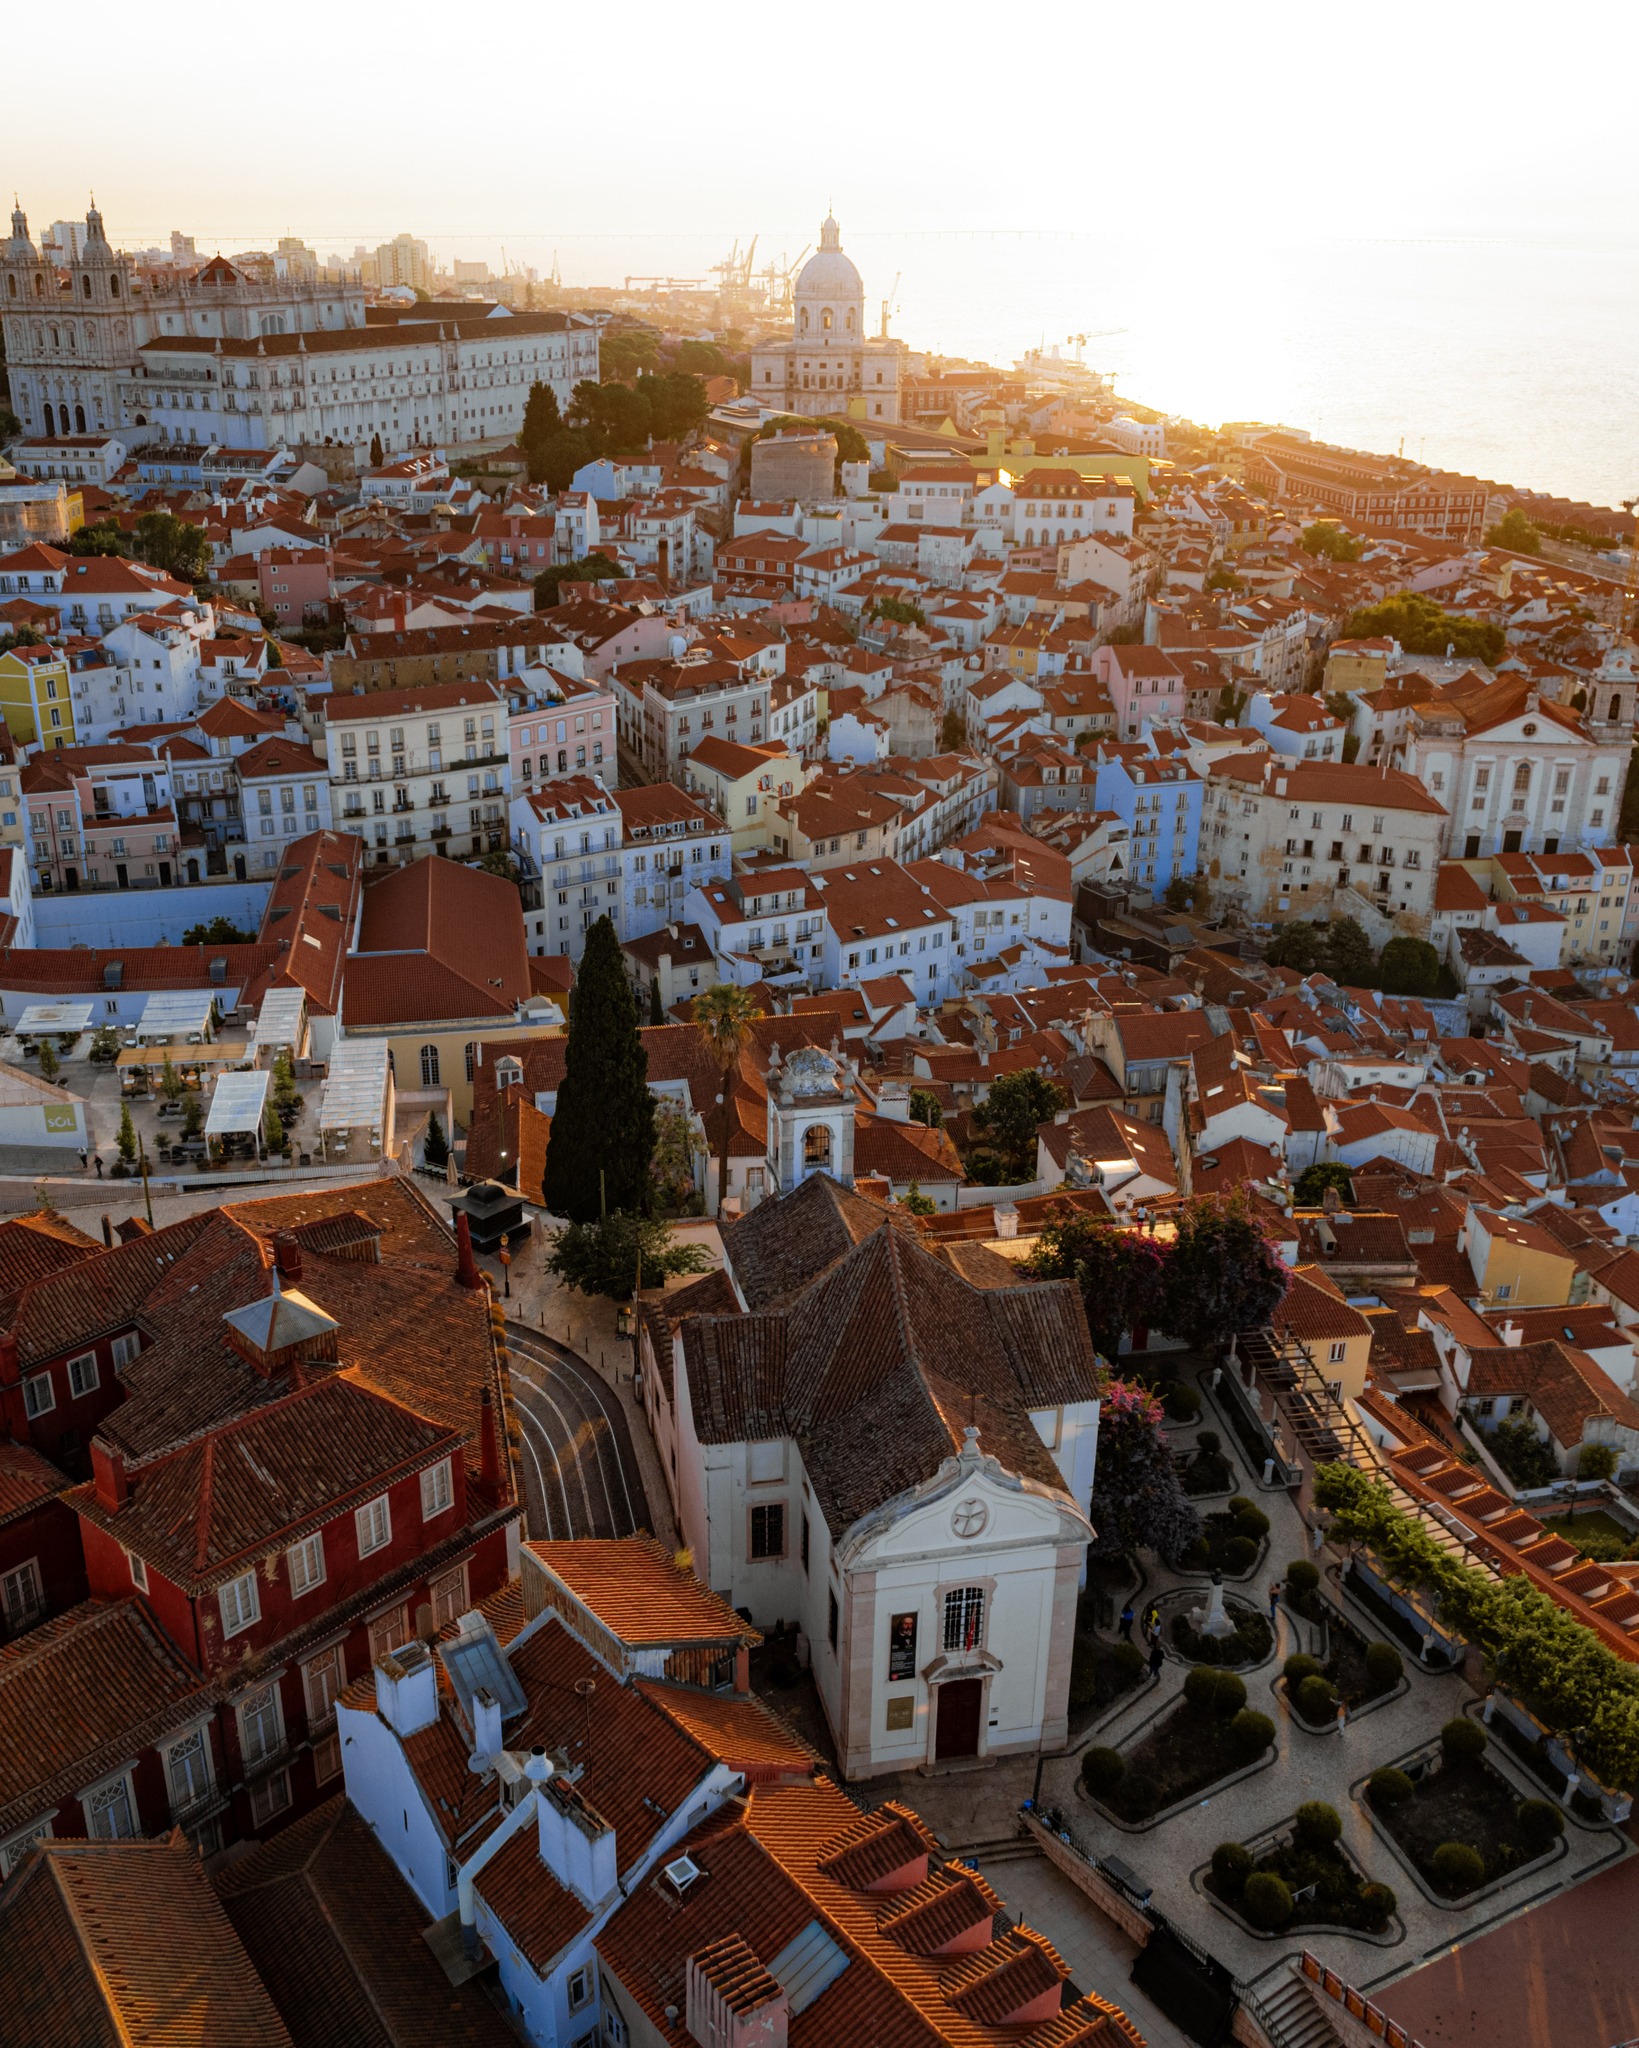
(580, 1473)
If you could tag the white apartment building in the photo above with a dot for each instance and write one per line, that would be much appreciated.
(670, 843)
(881, 920)
(1307, 839)
(420, 771)
(665, 707)
(566, 839)
(284, 793)
(765, 926)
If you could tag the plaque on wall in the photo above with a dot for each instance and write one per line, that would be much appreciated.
(902, 1711)
(902, 1646)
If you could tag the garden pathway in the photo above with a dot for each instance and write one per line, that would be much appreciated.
(1169, 1855)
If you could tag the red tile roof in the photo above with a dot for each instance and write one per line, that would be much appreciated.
(125, 1944)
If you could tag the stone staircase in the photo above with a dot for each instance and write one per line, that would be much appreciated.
(1292, 2017)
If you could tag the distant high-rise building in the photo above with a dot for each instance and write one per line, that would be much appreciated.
(403, 261)
(471, 273)
(182, 248)
(63, 242)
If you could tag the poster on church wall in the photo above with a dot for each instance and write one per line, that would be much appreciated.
(902, 1646)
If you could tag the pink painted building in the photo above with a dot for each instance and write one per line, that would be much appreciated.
(1144, 683)
(294, 584)
(559, 725)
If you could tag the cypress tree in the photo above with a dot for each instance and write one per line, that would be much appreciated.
(604, 1121)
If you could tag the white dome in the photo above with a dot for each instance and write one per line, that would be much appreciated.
(828, 282)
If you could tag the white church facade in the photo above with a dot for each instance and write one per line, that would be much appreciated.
(890, 1448)
(830, 366)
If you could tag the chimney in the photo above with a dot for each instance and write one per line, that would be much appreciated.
(486, 1724)
(1512, 1334)
(489, 1449)
(742, 1669)
(894, 1101)
(287, 1256)
(1007, 1220)
(733, 2000)
(407, 1688)
(466, 1266)
(108, 1471)
(577, 1843)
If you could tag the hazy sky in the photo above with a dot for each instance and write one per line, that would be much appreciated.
(1209, 125)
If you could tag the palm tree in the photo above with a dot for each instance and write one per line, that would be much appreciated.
(724, 1015)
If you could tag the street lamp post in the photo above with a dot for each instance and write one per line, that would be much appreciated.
(506, 1265)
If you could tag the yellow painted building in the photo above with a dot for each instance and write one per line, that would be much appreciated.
(1516, 1263)
(743, 785)
(35, 699)
(1357, 664)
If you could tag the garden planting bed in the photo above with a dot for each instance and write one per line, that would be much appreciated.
(1102, 1672)
(1317, 1883)
(1208, 1736)
(1206, 1470)
(1595, 1533)
(1362, 1674)
(1459, 1825)
(1252, 1641)
(1233, 1541)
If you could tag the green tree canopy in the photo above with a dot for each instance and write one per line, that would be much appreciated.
(1516, 532)
(554, 460)
(436, 1148)
(1408, 967)
(677, 402)
(602, 1135)
(221, 931)
(177, 546)
(589, 569)
(101, 537)
(1309, 1189)
(1324, 538)
(1010, 1113)
(1424, 627)
(603, 1258)
(1222, 1273)
(925, 1109)
(1297, 945)
(542, 419)
(624, 352)
(901, 610)
(1350, 960)
(1120, 1272)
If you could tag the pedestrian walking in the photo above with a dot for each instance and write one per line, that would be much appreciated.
(1127, 1623)
(85, 1160)
(1274, 1600)
(99, 1165)
(1152, 1620)
(1158, 1656)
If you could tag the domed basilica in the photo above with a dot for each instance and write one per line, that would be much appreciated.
(829, 365)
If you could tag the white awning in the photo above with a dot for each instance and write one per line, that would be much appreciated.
(51, 1020)
(355, 1088)
(176, 1016)
(238, 1102)
(282, 1020)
